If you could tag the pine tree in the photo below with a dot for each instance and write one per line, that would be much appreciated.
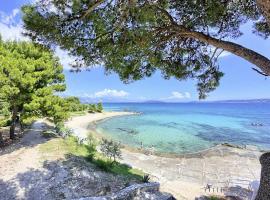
(29, 76)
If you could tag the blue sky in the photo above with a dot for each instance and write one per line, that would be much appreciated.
(239, 82)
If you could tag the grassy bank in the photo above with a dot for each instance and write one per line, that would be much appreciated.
(70, 147)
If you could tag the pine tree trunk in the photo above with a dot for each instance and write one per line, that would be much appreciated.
(264, 189)
(13, 123)
(1, 139)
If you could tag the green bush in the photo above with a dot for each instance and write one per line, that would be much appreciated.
(99, 107)
(111, 149)
(92, 108)
(28, 121)
(49, 134)
(146, 178)
(62, 131)
(91, 148)
(5, 122)
(103, 165)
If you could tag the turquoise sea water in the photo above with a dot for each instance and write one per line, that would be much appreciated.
(189, 127)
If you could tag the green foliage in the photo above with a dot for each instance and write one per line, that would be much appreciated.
(92, 108)
(103, 164)
(134, 39)
(62, 131)
(146, 178)
(69, 146)
(5, 122)
(27, 121)
(4, 109)
(29, 76)
(75, 105)
(91, 147)
(49, 134)
(110, 149)
(99, 107)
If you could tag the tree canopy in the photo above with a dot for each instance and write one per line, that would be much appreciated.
(182, 39)
(29, 76)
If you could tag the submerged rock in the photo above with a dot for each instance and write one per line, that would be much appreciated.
(129, 131)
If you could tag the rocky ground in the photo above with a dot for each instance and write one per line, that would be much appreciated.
(227, 170)
(26, 173)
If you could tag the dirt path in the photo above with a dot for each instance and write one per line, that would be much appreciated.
(20, 158)
(27, 172)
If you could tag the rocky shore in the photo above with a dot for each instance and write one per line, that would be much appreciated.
(186, 176)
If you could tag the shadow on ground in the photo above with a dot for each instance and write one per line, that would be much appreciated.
(63, 179)
(31, 137)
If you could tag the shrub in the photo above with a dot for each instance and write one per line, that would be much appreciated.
(91, 147)
(63, 131)
(103, 165)
(48, 134)
(99, 107)
(92, 108)
(5, 122)
(59, 127)
(111, 149)
(146, 178)
(27, 121)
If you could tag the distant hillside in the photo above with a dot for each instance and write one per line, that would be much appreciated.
(153, 101)
(90, 100)
(244, 101)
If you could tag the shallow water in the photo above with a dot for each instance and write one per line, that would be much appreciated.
(189, 127)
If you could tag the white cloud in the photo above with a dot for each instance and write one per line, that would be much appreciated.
(105, 94)
(110, 93)
(11, 32)
(220, 52)
(9, 19)
(68, 60)
(65, 59)
(178, 95)
(9, 29)
(224, 54)
(187, 95)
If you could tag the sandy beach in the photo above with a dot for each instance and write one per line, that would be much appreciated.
(79, 124)
(186, 176)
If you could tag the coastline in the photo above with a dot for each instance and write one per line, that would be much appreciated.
(80, 124)
(185, 175)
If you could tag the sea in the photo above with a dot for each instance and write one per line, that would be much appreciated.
(180, 128)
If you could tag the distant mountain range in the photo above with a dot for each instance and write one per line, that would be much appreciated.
(244, 101)
(89, 100)
(218, 101)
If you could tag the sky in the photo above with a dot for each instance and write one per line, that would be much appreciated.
(239, 81)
